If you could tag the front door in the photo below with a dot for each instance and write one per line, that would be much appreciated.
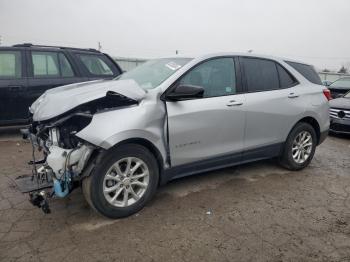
(212, 126)
(13, 85)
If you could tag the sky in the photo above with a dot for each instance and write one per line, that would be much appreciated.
(313, 31)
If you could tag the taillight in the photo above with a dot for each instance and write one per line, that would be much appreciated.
(327, 94)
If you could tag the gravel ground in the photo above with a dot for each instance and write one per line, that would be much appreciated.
(254, 212)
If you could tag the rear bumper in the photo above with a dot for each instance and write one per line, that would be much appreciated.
(323, 136)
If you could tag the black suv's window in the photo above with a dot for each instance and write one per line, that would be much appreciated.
(51, 64)
(216, 76)
(286, 79)
(261, 74)
(66, 68)
(96, 65)
(307, 71)
(10, 64)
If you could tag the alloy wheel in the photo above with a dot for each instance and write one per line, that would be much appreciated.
(126, 182)
(302, 147)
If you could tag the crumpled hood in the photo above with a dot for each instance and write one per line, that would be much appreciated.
(343, 103)
(57, 101)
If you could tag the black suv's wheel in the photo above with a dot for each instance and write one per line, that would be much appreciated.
(299, 148)
(123, 182)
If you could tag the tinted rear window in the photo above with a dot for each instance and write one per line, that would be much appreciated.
(286, 79)
(307, 71)
(261, 74)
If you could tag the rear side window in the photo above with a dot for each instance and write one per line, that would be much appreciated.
(96, 65)
(10, 64)
(261, 74)
(45, 64)
(286, 79)
(306, 71)
(51, 64)
(66, 68)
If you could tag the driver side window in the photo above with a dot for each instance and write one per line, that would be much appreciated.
(216, 76)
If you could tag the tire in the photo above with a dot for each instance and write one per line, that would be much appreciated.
(129, 194)
(291, 147)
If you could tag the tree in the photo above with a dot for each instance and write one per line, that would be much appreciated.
(343, 70)
(326, 70)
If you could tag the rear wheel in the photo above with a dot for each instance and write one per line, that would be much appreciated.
(300, 147)
(123, 182)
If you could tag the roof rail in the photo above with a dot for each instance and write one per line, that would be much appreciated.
(58, 47)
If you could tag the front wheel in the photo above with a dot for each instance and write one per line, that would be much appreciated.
(299, 148)
(123, 182)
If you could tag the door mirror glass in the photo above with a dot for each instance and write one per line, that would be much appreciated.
(183, 92)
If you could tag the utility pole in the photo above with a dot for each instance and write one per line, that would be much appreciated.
(0, 39)
(99, 46)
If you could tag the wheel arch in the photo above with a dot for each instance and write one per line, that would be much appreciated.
(314, 123)
(155, 146)
(150, 146)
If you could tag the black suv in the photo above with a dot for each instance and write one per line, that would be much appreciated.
(27, 71)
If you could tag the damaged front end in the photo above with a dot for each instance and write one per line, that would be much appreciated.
(59, 157)
(63, 157)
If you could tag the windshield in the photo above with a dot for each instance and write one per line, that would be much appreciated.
(152, 73)
(342, 83)
(347, 95)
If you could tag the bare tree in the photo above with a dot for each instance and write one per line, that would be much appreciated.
(343, 70)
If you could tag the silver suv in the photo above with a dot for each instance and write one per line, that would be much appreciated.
(169, 118)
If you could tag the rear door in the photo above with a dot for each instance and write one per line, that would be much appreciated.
(13, 85)
(49, 69)
(272, 104)
(211, 127)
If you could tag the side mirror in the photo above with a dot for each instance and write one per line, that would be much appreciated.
(183, 92)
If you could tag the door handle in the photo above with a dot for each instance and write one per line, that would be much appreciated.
(16, 88)
(234, 103)
(293, 95)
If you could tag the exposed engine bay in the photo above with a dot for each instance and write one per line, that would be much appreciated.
(75, 129)
(63, 156)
